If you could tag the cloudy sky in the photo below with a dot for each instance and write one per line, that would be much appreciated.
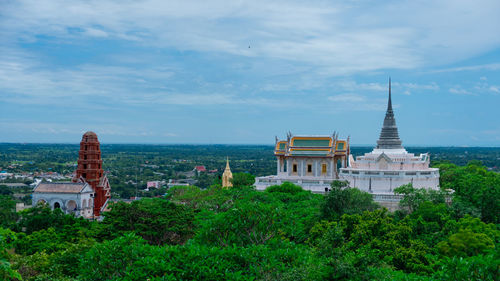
(211, 72)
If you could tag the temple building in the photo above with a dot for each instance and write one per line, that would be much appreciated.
(88, 193)
(90, 171)
(312, 162)
(227, 176)
(71, 198)
(389, 165)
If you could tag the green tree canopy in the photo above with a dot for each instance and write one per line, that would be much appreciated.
(243, 179)
(157, 220)
(286, 187)
(8, 215)
(344, 200)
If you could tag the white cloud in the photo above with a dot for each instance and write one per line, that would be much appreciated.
(482, 87)
(355, 102)
(337, 38)
(490, 67)
(347, 98)
(96, 32)
(167, 134)
(459, 91)
(415, 86)
(310, 55)
(76, 128)
(495, 89)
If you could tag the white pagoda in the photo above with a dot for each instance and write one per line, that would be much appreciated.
(389, 165)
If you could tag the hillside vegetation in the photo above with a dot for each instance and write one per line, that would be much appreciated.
(283, 233)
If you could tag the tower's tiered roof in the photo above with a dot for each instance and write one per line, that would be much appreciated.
(389, 137)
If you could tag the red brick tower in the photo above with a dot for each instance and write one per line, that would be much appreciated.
(90, 170)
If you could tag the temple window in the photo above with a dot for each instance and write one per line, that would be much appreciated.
(294, 169)
(309, 168)
(323, 168)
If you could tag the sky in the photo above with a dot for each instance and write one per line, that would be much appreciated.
(243, 72)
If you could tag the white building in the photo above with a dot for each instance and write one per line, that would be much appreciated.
(389, 165)
(309, 161)
(71, 197)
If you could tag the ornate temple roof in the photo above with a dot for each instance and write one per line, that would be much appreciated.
(389, 137)
(310, 141)
(311, 146)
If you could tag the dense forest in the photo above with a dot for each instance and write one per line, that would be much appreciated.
(283, 233)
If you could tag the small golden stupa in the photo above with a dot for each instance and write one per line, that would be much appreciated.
(227, 176)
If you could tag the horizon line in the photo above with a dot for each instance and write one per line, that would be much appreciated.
(239, 144)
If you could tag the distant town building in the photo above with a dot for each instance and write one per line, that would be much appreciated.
(153, 184)
(90, 170)
(71, 197)
(227, 176)
(309, 161)
(4, 175)
(200, 169)
(389, 165)
(181, 182)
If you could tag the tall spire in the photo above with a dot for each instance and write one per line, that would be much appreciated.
(227, 176)
(389, 137)
(389, 104)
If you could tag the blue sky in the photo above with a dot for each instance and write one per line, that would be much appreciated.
(244, 71)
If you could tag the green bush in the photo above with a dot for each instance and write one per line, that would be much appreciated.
(344, 200)
(286, 187)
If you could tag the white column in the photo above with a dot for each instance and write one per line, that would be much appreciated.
(278, 166)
